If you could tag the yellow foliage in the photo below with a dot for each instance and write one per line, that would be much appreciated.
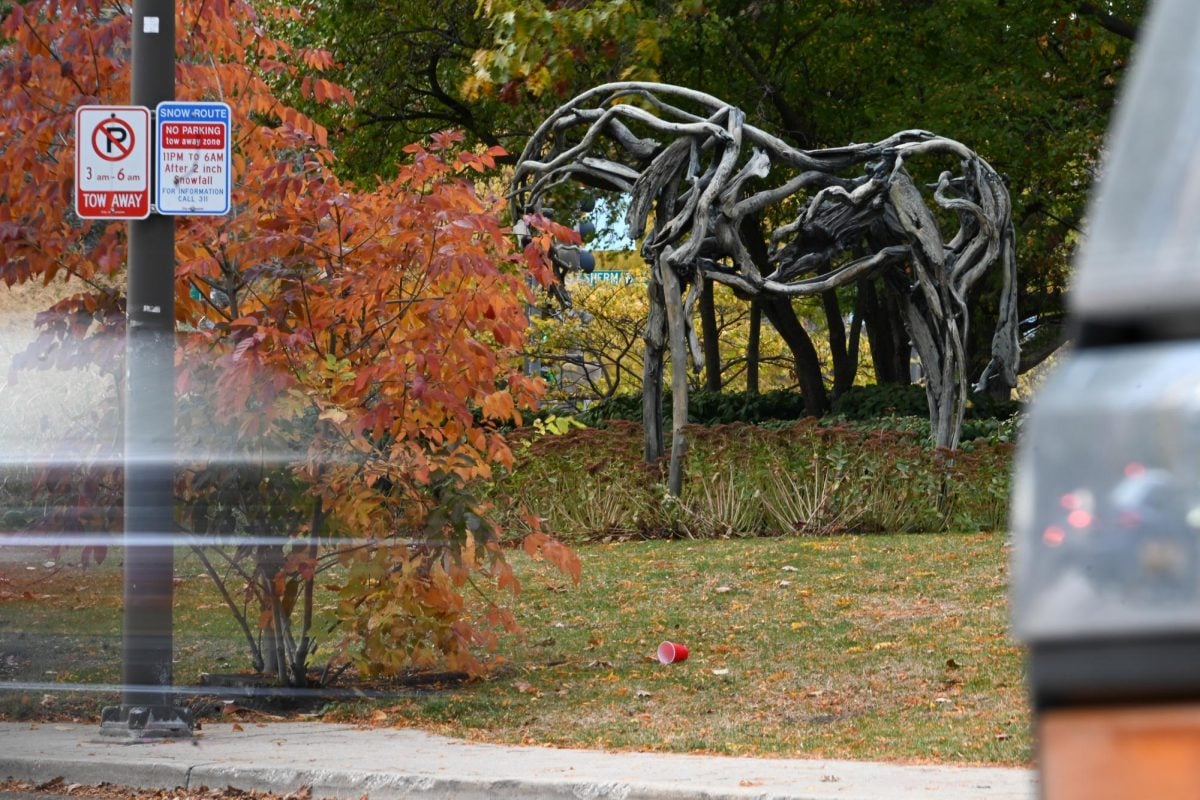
(596, 348)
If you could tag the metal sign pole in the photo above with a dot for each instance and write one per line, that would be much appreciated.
(147, 707)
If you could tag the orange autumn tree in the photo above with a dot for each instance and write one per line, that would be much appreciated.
(347, 357)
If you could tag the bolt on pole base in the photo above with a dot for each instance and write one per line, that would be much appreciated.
(146, 722)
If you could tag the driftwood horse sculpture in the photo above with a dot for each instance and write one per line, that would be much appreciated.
(696, 172)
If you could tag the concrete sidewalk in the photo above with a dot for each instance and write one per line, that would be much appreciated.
(345, 761)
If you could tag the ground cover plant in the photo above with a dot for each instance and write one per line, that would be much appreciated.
(804, 476)
(884, 646)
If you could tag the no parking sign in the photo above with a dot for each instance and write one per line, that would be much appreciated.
(112, 162)
(194, 169)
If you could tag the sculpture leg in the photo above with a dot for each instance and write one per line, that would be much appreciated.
(954, 389)
(943, 365)
(652, 370)
(949, 395)
(677, 336)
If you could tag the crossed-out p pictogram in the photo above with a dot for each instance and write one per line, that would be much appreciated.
(113, 139)
(112, 162)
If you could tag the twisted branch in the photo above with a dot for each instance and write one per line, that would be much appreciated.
(694, 166)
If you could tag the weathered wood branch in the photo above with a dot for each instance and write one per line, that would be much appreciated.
(695, 166)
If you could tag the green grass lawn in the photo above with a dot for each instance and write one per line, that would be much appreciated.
(882, 647)
(859, 647)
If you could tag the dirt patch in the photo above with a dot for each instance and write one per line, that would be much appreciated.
(57, 788)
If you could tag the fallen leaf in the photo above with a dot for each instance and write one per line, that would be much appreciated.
(783, 584)
(643, 693)
(952, 664)
(238, 727)
(884, 646)
(755, 782)
(524, 687)
(720, 672)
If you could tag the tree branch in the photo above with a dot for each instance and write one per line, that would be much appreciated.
(1110, 22)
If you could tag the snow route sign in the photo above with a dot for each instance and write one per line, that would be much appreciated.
(194, 172)
(112, 162)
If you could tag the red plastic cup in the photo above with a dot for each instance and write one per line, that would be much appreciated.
(672, 652)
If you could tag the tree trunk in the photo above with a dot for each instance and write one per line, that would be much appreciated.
(878, 332)
(902, 345)
(708, 330)
(753, 345)
(843, 369)
(780, 313)
(853, 349)
(890, 349)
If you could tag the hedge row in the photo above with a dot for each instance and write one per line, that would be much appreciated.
(859, 403)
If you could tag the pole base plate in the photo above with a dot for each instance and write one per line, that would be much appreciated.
(146, 722)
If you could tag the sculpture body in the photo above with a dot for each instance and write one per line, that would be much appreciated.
(697, 174)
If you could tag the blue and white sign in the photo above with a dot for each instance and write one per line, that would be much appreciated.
(599, 276)
(193, 167)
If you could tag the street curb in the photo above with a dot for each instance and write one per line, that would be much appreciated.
(92, 772)
(354, 784)
(344, 761)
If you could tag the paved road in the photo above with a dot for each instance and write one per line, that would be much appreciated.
(345, 761)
